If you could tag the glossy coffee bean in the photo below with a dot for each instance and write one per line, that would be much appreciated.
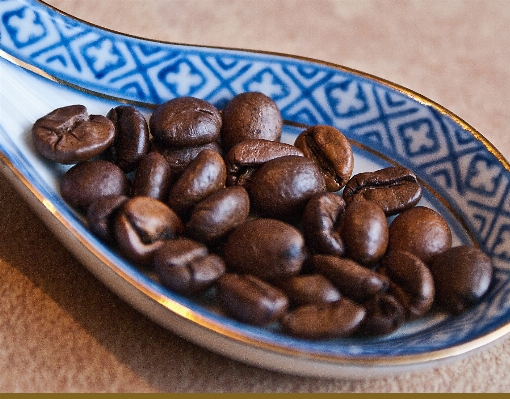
(321, 220)
(353, 280)
(142, 225)
(87, 181)
(365, 232)
(331, 151)
(308, 288)
(421, 231)
(326, 320)
(101, 213)
(185, 122)
(250, 115)
(394, 189)
(384, 315)
(70, 135)
(462, 276)
(186, 266)
(219, 213)
(266, 248)
(281, 187)
(250, 299)
(204, 175)
(153, 177)
(131, 141)
(247, 156)
(411, 282)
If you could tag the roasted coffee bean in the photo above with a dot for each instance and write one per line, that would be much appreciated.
(411, 282)
(186, 266)
(250, 299)
(131, 141)
(101, 213)
(462, 276)
(70, 135)
(309, 288)
(326, 320)
(281, 187)
(185, 122)
(394, 189)
(266, 248)
(142, 225)
(204, 175)
(421, 231)
(153, 177)
(219, 213)
(250, 115)
(247, 156)
(87, 181)
(321, 223)
(384, 315)
(331, 151)
(352, 279)
(365, 232)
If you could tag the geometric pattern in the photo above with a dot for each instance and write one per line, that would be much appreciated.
(450, 156)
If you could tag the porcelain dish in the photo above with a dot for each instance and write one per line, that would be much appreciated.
(50, 59)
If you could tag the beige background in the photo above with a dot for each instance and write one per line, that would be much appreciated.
(61, 330)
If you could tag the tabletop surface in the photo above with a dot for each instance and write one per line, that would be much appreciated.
(62, 330)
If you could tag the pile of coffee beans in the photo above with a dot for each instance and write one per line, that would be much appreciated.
(280, 234)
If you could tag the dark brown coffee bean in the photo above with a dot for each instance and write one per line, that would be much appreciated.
(153, 177)
(247, 156)
(250, 115)
(321, 223)
(70, 135)
(281, 187)
(131, 141)
(204, 175)
(250, 299)
(310, 288)
(186, 266)
(219, 213)
(353, 280)
(394, 189)
(267, 248)
(142, 225)
(87, 181)
(462, 276)
(101, 214)
(384, 315)
(365, 232)
(185, 122)
(327, 320)
(412, 283)
(421, 231)
(331, 151)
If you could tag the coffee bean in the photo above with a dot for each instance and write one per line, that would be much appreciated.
(321, 223)
(185, 122)
(281, 187)
(101, 213)
(331, 151)
(326, 320)
(267, 248)
(186, 266)
(142, 225)
(462, 276)
(250, 299)
(70, 135)
(247, 156)
(384, 315)
(215, 216)
(153, 177)
(87, 181)
(394, 189)
(421, 231)
(308, 288)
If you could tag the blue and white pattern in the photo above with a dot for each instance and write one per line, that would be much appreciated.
(446, 154)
